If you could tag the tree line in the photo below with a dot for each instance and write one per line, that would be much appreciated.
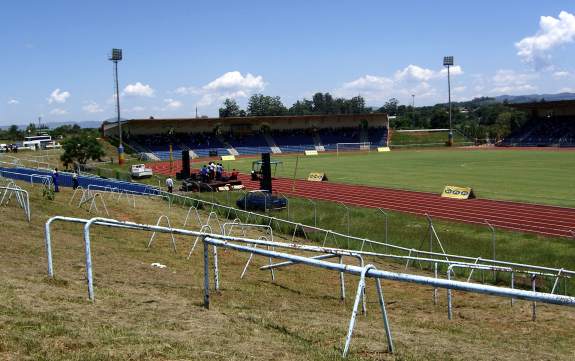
(320, 103)
(15, 133)
(478, 118)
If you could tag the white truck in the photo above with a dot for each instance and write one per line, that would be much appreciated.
(140, 171)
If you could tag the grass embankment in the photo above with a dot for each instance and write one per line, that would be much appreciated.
(145, 313)
(425, 139)
(535, 176)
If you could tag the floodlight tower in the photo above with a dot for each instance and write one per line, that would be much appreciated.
(115, 57)
(412, 110)
(448, 61)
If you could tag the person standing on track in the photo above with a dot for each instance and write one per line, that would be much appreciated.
(75, 180)
(56, 180)
(170, 184)
(219, 171)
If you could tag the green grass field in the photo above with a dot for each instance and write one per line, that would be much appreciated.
(535, 176)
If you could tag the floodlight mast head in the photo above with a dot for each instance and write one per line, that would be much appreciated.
(448, 61)
(116, 55)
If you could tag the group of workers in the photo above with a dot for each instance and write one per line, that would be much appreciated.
(56, 180)
(208, 173)
(10, 148)
(215, 171)
(211, 171)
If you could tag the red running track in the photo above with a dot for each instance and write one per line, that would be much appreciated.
(523, 217)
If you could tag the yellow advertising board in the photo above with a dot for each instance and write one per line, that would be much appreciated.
(458, 192)
(383, 149)
(310, 152)
(228, 157)
(317, 177)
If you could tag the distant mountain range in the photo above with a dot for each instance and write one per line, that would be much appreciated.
(84, 124)
(529, 98)
(52, 125)
(535, 97)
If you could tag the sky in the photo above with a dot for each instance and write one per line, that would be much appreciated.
(179, 55)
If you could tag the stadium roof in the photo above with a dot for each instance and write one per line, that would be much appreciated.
(157, 125)
(273, 118)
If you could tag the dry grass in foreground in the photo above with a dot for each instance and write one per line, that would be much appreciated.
(145, 313)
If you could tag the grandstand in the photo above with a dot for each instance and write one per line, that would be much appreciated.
(205, 137)
(549, 124)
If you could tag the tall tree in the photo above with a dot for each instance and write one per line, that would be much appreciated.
(323, 103)
(262, 105)
(230, 108)
(439, 118)
(357, 105)
(302, 107)
(390, 107)
(80, 149)
(31, 129)
(14, 133)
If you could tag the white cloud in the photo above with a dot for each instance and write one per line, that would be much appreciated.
(139, 89)
(561, 74)
(186, 90)
(417, 73)
(511, 76)
(211, 98)
(234, 81)
(13, 102)
(552, 33)
(92, 107)
(373, 88)
(414, 72)
(513, 89)
(58, 111)
(459, 89)
(453, 71)
(423, 90)
(137, 108)
(412, 79)
(230, 85)
(370, 82)
(512, 82)
(172, 103)
(58, 96)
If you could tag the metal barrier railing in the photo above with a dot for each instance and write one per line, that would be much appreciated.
(361, 242)
(21, 195)
(368, 271)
